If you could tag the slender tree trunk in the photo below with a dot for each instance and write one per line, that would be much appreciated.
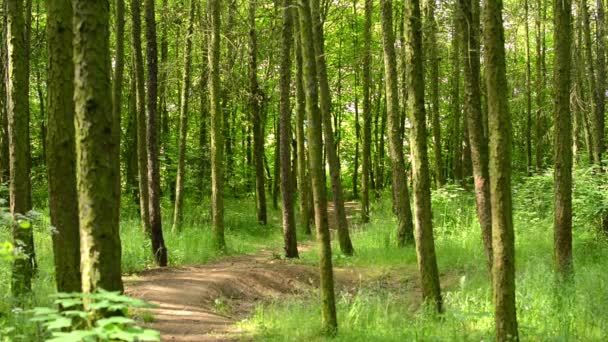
(130, 157)
(61, 157)
(540, 85)
(366, 159)
(563, 137)
(328, 303)
(183, 124)
(217, 141)
(277, 164)
(156, 229)
(433, 63)
(119, 67)
(478, 141)
(19, 146)
(401, 196)
(500, 173)
(425, 244)
(258, 129)
(96, 149)
(333, 159)
(529, 159)
(4, 140)
(457, 168)
(303, 176)
(141, 115)
(162, 82)
(289, 221)
(600, 37)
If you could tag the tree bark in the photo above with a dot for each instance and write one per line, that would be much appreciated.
(117, 82)
(529, 159)
(328, 303)
(457, 169)
(401, 196)
(333, 159)
(183, 124)
(61, 157)
(425, 244)
(499, 119)
(156, 229)
(217, 141)
(96, 149)
(289, 222)
(600, 36)
(478, 141)
(366, 160)
(20, 189)
(563, 138)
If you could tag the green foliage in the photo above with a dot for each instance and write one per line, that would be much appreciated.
(74, 324)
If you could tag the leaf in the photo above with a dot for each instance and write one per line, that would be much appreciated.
(59, 323)
(114, 320)
(25, 224)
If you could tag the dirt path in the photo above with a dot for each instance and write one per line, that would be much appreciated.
(203, 303)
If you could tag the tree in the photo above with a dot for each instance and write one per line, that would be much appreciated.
(366, 162)
(499, 119)
(96, 149)
(18, 114)
(528, 94)
(156, 230)
(141, 115)
(289, 222)
(258, 129)
(600, 96)
(313, 113)
(333, 159)
(118, 79)
(401, 196)
(425, 244)
(61, 146)
(183, 123)
(457, 167)
(433, 66)
(217, 141)
(478, 141)
(563, 137)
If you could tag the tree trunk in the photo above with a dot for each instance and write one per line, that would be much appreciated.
(425, 244)
(540, 86)
(96, 149)
(217, 141)
(289, 222)
(61, 157)
(600, 37)
(141, 115)
(156, 229)
(401, 196)
(433, 62)
(503, 271)
(457, 169)
(563, 137)
(366, 158)
(328, 303)
(529, 160)
(183, 124)
(258, 129)
(478, 141)
(303, 176)
(162, 82)
(333, 159)
(19, 146)
(117, 82)
(130, 150)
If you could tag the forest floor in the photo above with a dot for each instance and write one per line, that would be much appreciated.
(206, 302)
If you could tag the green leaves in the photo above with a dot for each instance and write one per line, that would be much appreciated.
(90, 322)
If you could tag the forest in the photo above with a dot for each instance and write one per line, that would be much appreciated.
(303, 170)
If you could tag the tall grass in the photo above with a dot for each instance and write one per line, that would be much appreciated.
(546, 311)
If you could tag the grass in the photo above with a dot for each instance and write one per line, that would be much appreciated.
(546, 312)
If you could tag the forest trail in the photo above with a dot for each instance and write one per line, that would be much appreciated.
(204, 303)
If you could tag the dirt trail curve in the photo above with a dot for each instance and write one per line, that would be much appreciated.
(203, 303)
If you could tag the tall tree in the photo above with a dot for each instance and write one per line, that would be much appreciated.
(313, 113)
(333, 159)
(540, 85)
(141, 114)
(217, 141)
(425, 244)
(478, 141)
(117, 81)
(499, 119)
(563, 137)
(305, 208)
(457, 167)
(289, 222)
(366, 162)
(528, 92)
(258, 129)
(600, 36)
(61, 156)
(433, 67)
(96, 149)
(19, 145)
(183, 123)
(156, 229)
(401, 196)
